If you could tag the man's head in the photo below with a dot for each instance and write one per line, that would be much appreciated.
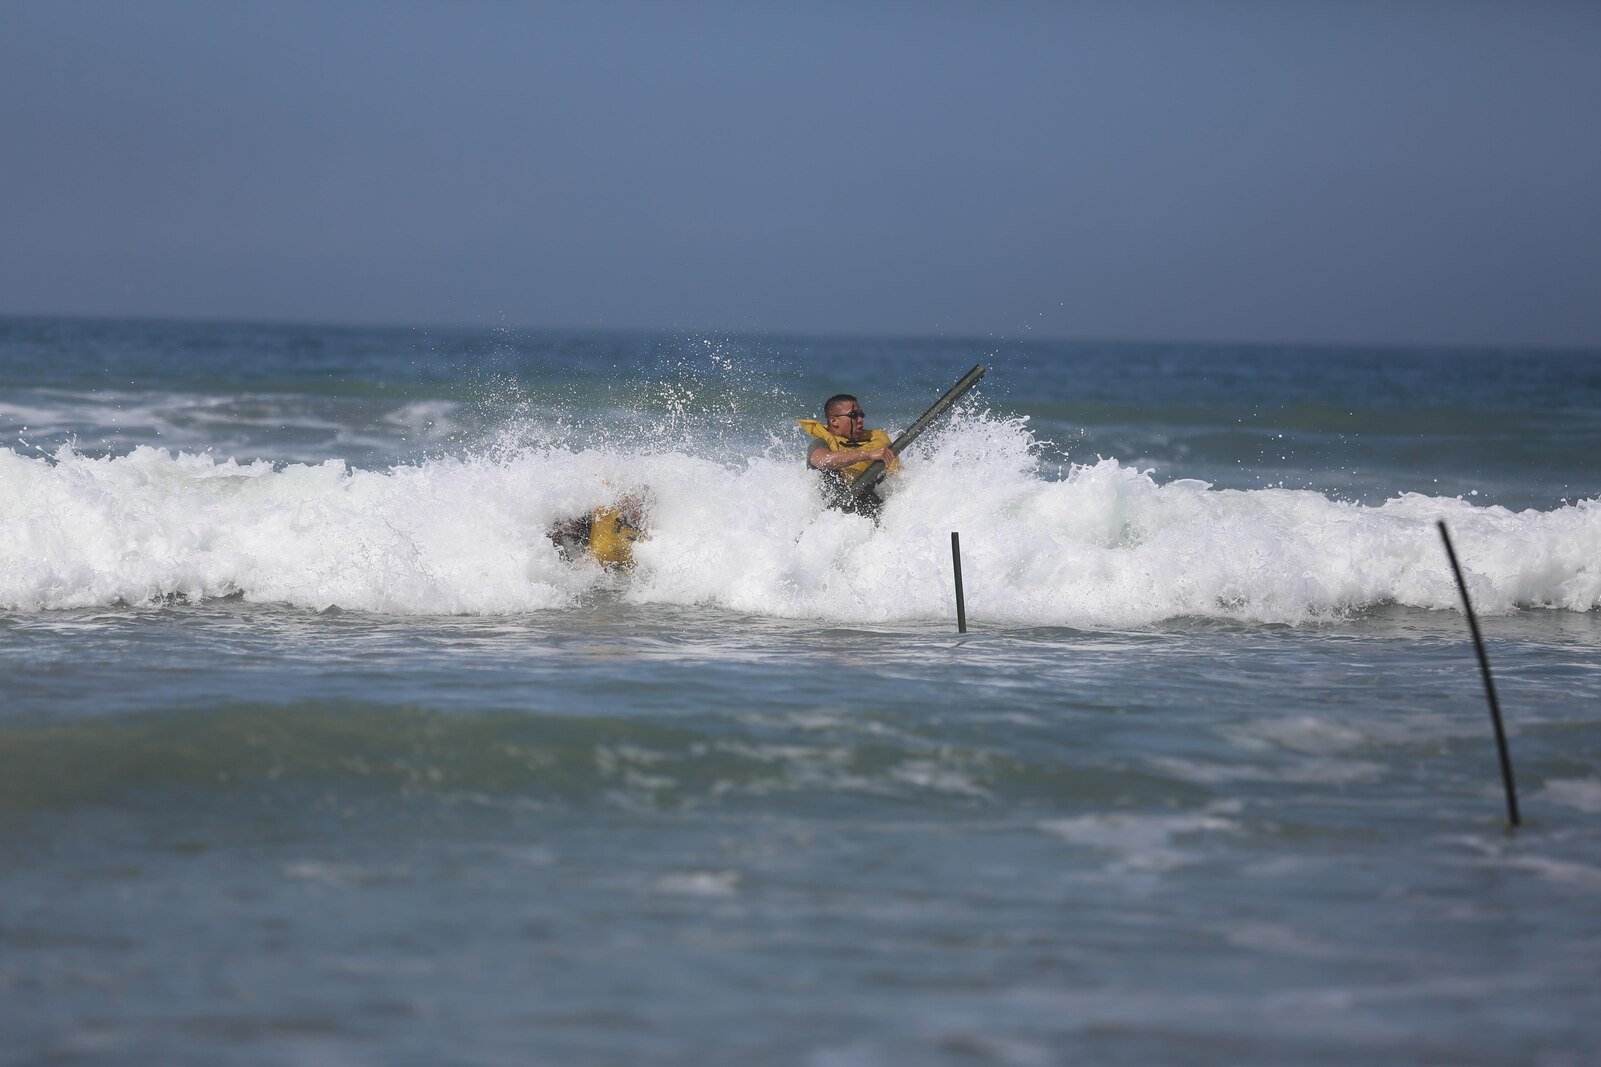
(844, 417)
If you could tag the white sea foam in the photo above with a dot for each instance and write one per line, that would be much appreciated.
(1583, 794)
(1105, 545)
(1144, 842)
(700, 883)
(432, 418)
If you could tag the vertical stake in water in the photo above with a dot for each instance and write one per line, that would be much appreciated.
(1489, 685)
(956, 563)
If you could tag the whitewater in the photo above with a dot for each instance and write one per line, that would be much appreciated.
(1106, 545)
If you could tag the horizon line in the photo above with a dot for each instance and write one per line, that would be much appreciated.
(797, 334)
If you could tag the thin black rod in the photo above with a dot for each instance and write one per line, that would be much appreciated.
(1489, 683)
(956, 563)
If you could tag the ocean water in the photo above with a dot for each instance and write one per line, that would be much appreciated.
(313, 749)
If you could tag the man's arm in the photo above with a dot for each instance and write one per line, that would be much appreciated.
(824, 459)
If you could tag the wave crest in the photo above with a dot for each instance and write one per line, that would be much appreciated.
(1093, 545)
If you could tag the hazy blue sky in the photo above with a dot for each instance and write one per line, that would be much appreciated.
(1402, 171)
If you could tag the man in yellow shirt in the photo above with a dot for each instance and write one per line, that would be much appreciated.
(847, 448)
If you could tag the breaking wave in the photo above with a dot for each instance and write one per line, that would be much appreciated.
(1094, 545)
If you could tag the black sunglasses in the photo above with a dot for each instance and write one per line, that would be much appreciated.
(857, 414)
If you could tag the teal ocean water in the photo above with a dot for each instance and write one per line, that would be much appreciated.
(315, 750)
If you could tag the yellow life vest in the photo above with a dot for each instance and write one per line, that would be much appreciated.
(611, 538)
(836, 443)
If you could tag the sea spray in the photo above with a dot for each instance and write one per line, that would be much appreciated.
(1099, 544)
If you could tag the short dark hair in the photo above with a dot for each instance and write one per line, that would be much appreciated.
(836, 399)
